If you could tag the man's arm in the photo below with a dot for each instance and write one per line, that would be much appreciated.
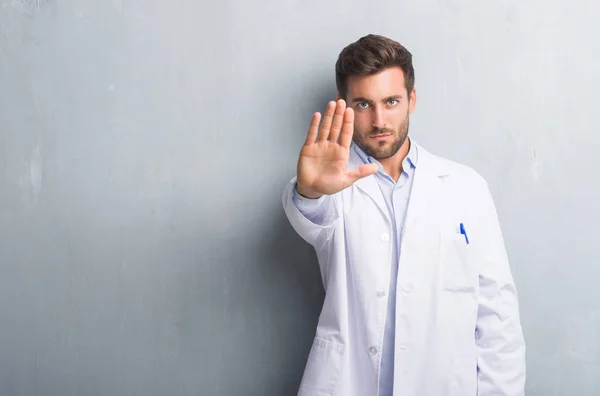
(322, 173)
(499, 336)
(314, 209)
(312, 219)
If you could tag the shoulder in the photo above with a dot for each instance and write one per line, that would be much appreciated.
(453, 170)
(460, 181)
(463, 187)
(463, 173)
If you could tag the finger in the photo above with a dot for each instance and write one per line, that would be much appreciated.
(338, 119)
(313, 130)
(362, 171)
(347, 128)
(327, 119)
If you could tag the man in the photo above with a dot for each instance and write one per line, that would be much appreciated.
(420, 299)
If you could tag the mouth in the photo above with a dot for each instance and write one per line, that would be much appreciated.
(382, 136)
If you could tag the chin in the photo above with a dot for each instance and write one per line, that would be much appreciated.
(382, 149)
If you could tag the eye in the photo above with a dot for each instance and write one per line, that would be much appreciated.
(392, 102)
(362, 105)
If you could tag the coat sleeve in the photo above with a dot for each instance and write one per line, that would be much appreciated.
(499, 336)
(318, 229)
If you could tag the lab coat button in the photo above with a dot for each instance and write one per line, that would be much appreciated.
(385, 237)
(372, 350)
(380, 293)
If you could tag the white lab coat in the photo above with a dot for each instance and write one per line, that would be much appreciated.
(458, 329)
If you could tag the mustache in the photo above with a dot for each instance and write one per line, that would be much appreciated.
(381, 131)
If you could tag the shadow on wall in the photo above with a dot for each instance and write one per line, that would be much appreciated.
(288, 260)
(294, 260)
(298, 299)
(253, 312)
(261, 281)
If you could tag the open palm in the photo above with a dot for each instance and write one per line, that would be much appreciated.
(323, 161)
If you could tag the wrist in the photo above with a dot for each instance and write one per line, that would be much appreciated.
(306, 193)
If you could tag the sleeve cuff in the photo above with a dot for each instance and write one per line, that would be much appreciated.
(306, 205)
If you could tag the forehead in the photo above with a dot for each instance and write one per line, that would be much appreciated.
(388, 82)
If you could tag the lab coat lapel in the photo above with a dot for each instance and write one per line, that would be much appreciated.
(428, 179)
(368, 184)
(429, 174)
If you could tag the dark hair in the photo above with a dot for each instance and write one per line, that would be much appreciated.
(370, 55)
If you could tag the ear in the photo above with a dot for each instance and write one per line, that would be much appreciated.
(412, 101)
(337, 97)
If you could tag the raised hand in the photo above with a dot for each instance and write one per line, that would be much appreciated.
(323, 161)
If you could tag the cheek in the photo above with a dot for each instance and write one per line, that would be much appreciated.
(399, 115)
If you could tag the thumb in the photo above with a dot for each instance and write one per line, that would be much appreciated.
(362, 171)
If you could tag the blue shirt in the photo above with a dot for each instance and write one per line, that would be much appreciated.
(396, 195)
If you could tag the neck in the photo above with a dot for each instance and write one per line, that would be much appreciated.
(393, 165)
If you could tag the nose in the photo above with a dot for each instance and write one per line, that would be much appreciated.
(378, 122)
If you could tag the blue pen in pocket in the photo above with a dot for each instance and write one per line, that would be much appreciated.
(462, 231)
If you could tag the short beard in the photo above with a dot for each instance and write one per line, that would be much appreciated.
(381, 153)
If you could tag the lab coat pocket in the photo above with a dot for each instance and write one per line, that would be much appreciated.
(456, 268)
(464, 376)
(322, 369)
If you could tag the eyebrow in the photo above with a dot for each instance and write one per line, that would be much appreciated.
(394, 97)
